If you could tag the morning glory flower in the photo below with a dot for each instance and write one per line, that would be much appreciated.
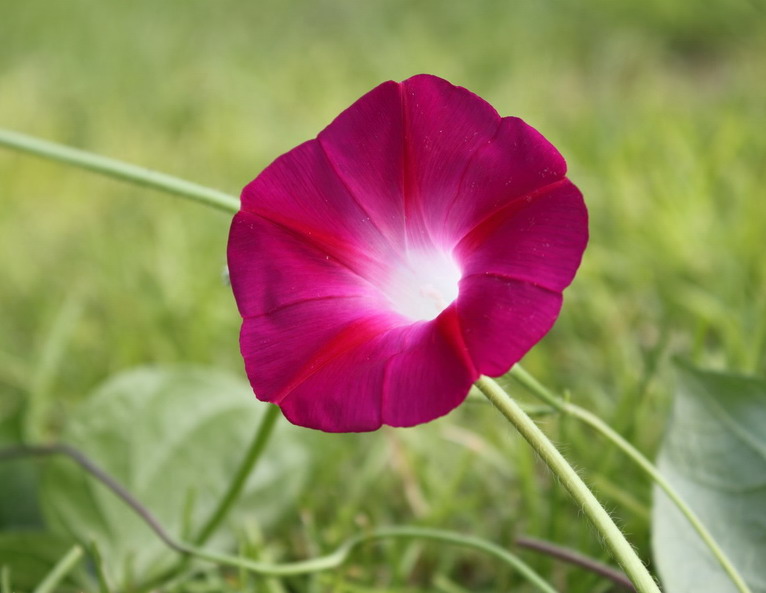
(418, 242)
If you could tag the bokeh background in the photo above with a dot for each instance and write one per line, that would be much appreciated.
(659, 107)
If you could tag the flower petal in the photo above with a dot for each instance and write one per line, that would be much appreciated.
(538, 240)
(402, 150)
(302, 191)
(284, 349)
(444, 126)
(271, 266)
(431, 375)
(503, 318)
(402, 377)
(516, 162)
(339, 366)
(365, 145)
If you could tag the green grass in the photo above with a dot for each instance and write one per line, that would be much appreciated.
(658, 108)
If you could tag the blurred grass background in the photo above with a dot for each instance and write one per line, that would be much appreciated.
(659, 107)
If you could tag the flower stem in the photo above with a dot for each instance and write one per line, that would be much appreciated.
(118, 169)
(330, 561)
(539, 390)
(621, 548)
(343, 552)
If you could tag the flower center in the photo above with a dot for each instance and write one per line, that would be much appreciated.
(423, 284)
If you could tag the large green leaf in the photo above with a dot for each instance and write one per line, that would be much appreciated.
(173, 438)
(714, 453)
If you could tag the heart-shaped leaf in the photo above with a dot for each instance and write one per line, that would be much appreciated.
(173, 437)
(714, 454)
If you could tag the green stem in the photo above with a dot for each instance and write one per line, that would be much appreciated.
(254, 452)
(621, 548)
(118, 169)
(62, 568)
(342, 553)
(330, 561)
(539, 390)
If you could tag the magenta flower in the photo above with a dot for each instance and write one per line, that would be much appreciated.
(418, 242)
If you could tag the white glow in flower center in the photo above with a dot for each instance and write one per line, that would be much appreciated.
(423, 285)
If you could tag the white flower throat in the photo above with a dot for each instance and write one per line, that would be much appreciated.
(423, 284)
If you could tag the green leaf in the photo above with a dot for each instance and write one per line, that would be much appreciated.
(714, 454)
(30, 555)
(174, 438)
